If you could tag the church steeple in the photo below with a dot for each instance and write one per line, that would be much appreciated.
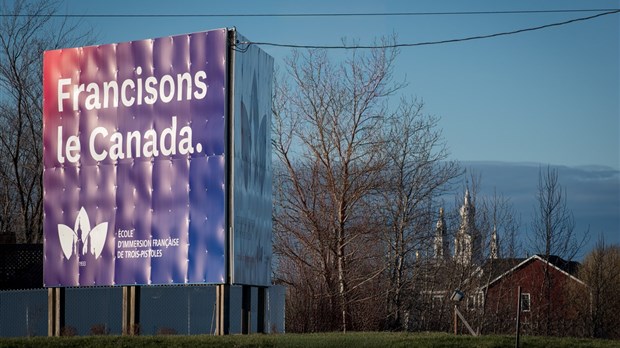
(494, 247)
(468, 212)
(441, 245)
(467, 243)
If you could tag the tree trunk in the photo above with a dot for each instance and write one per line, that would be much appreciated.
(342, 284)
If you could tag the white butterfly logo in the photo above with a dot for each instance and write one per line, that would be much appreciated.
(92, 240)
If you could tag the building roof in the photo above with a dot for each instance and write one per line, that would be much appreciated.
(493, 268)
(569, 268)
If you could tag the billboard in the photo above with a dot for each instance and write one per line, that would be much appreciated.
(136, 187)
(251, 181)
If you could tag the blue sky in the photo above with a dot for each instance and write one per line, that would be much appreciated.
(592, 195)
(549, 96)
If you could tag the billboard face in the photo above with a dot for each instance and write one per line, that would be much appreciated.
(251, 255)
(135, 162)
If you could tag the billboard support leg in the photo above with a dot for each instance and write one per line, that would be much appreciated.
(222, 293)
(260, 310)
(246, 309)
(55, 311)
(131, 310)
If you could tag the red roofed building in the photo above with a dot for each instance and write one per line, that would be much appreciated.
(549, 295)
(552, 296)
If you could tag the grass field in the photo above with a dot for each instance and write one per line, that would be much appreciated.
(353, 340)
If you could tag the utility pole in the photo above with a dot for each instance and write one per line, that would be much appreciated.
(518, 316)
(455, 320)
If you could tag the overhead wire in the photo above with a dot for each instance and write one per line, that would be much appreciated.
(340, 14)
(244, 45)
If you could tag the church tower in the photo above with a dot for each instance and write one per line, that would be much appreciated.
(442, 244)
(494, 247)
(467, 243)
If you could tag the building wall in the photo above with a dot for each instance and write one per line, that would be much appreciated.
(551, 307)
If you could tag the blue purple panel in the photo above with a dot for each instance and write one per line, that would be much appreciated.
(134, 162)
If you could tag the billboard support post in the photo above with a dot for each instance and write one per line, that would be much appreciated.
(222, 303)
(260, 310)
(55, 311)
(131, 310)
(246, 309)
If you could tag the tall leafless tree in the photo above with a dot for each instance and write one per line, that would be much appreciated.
(553, 224)
(327, 137)
(600, 309)
(497, 214)
(417, 172)
(353, 186)
(553, 234)
(27, 28)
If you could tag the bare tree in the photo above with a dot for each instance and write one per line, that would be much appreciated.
(553, 224)
(416, 173)
(498, 216)
(26, 30)
(553, 234)
(327, 136)
(600, 272)
(499, 224)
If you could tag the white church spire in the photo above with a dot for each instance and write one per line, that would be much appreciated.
(494, 247)
(441, 245)
(467, 243)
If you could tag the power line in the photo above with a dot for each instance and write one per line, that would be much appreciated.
(426, 43)
(343, 14)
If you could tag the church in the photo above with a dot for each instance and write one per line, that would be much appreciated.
(468, 248)
(488, 281)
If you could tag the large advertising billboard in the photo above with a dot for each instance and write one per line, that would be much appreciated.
(135, 162)
(251, 220)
